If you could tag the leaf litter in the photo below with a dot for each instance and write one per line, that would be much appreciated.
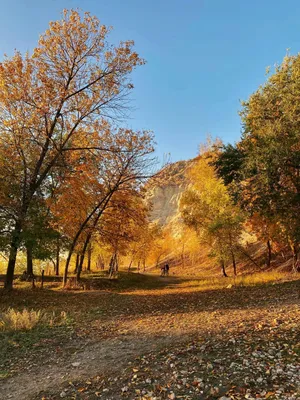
(250, 351)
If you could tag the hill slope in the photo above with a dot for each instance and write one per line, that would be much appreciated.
(164, 196)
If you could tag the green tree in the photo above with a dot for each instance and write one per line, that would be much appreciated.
(39, 238)
(271, 149)
(228, 163)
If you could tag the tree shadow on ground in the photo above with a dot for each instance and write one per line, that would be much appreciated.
(154, 296)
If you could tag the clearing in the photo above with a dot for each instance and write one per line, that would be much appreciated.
(146, 337)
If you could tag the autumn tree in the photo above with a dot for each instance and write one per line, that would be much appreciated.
(122, 170)
(114, 229)
(144, 243)
(123, 225)
(163, 245)
(207, 207)
(187, 246)
(56, 101)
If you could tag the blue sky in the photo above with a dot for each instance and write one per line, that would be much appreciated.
(203, 57)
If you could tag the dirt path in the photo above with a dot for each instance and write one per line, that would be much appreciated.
(98, 358)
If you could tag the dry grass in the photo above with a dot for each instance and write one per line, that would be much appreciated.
(13, 320)
(259, 278)
(262, 278)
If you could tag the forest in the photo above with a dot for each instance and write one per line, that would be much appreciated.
(89, 217)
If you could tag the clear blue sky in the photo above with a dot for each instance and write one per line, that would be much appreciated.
(203, 57)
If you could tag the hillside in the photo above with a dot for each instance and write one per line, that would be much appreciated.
(164, 196)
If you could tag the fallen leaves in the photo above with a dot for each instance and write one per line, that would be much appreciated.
(252, 365)
(225, 345)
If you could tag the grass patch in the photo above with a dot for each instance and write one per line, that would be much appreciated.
(4, 374)
(260, 278)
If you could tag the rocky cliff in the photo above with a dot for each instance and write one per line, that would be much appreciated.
(164, 195)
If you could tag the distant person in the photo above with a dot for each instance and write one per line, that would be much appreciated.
(167, 269)
(163, 270)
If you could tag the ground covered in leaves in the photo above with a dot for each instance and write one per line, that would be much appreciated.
(162, 338)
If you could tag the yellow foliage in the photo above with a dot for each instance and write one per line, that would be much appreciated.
(206, 206)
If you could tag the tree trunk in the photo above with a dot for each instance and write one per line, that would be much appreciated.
(29, 260)
(77, 263)
(144, 265)
(42, 280)
(65, 276)
(54, 266)
(100, 262)
(269, 253)
(296, 264)
(113, 265)
(182, 256)
(157, 261)
(89, 258)
(129, 266)
(30, 274)
(117, 263)
(250, 258)
(86, 243)
(80, 265)
(233, 263)
(57, 258)
(15, 243)
(104, 203)
(223, 269)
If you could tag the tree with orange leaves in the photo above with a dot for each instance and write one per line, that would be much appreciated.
(54, 102)
(121, 224)
(84, 199)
